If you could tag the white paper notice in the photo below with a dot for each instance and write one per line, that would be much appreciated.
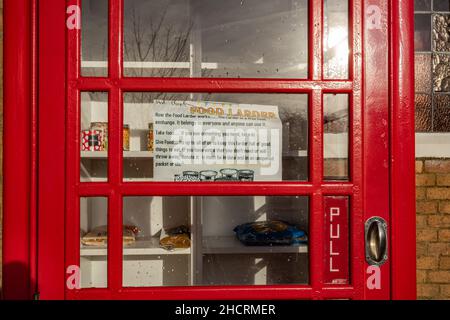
(211, 141)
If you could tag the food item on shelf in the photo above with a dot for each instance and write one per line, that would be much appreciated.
(91, 140)
(229, 174)
(246, 175)
(126, 137)
(270, 233)
(103, 128)
(208, 175)
(175, 238)
(150, 139)
(99, 236)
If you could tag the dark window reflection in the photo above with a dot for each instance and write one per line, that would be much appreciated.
(422, 5)
(441, 5)
(422, 34)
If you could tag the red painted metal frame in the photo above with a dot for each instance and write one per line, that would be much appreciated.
(59, 188)
(403, 234)
(52, 156)
(376, 130)
(17, 160)
(115, 189)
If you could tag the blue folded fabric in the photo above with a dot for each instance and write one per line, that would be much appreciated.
(270, 233)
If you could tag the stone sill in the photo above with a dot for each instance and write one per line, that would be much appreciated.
(432, 145)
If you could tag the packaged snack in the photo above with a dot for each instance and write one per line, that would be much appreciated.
(175, 238)
(91, 140)
(270, 233)
(99, 236)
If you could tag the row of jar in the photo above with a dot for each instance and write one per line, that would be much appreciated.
(96, 137)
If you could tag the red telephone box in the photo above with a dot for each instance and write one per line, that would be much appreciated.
(98, 205)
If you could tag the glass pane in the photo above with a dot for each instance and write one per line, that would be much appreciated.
(94, 38)
(179, 241)
(153, 253)
(422, 32)
(424, 113)
(441, 5)
(337, 245)
(441, 32)
(336, 44)
(94, 240)
(336, 128)
(422, 5)
(423, 73)
(441, 72)
(94, 137)
(441, 113)
(216, 137)
(200, 38)
(242, 241)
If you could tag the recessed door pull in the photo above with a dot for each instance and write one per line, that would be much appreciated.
(376, 241)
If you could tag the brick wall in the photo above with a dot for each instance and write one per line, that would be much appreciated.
(433, 228)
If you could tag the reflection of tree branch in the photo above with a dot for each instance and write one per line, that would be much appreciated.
(156, 40)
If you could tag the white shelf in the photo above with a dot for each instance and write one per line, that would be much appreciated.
(296, 154)
(231, 245)
(104, 179)
(139, 248)
(126, 154)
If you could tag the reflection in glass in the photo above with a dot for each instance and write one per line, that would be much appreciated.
(336, 129)
(441, 32)
(422, 32)
(441, 113)
(93, 242)
(441, 72)
(336, 43)
(199, 38)
(189, 241)
(94, 137)
(423, 73)
(422, 5)
(94, 38)
(441, 5)
(423, 113)
(139, 162)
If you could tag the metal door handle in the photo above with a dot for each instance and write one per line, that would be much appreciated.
(376, 241)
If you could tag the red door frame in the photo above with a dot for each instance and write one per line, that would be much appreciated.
(23, 192)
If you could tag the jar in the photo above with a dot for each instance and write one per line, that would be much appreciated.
(191, 176)
(229, 174)
(246, 175)
(208, 175)
(150, 139)
(91, 140)
(126, 137)
(103, 128)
